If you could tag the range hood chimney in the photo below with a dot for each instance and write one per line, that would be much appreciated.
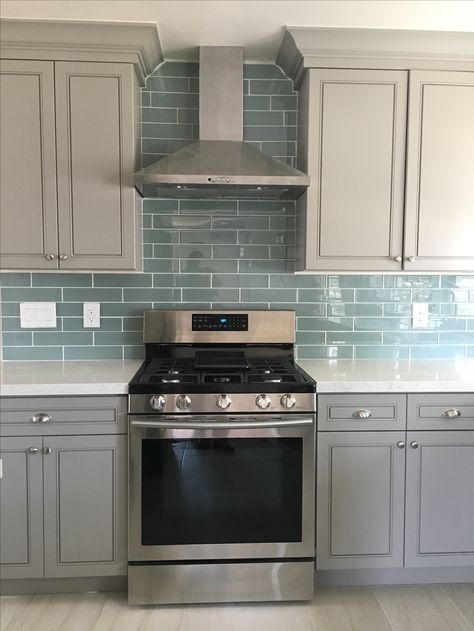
(220, 164)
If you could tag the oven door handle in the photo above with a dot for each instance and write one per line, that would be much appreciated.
(222, 425)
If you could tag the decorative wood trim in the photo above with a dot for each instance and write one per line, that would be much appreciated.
(125, 42)
(307, 47)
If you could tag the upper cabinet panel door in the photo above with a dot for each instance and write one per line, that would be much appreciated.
(356, 121)
(95, 147)
(28, 209)
(439, 228)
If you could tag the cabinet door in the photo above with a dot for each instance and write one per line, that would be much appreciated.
(360, 500)
(356, 121)
(440, 499)
(85, 506)
(28, 209)
(439, 227)
(21, 508)
(95, 146)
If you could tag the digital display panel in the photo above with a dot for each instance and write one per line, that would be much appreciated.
(220, 322)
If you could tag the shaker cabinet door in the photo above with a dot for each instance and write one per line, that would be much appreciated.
(85, 504)
(95, 146)
(439, 225)
(440, 499)
(21, 508)
(28, 208)
(354, 151)
(360, 500)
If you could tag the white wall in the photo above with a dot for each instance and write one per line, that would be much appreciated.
(257, 25)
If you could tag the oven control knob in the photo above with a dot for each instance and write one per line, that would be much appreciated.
(223, 401)
(183, 401)
(158, 402)
(263, 401)
(288, 401)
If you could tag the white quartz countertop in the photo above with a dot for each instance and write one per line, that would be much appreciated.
(365, 375)
(50, 378)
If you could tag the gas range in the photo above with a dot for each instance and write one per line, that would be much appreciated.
(183, 373)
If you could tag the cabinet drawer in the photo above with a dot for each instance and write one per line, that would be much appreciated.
(20, 416)
(441, 411)
(361, 412)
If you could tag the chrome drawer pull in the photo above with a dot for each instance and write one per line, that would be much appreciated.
(452, 413)
(362, 414)
(41, 417)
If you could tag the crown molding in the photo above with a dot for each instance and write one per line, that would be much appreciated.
(126, 42)
(308, 47)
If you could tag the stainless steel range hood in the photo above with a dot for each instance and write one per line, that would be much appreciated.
(220, 164)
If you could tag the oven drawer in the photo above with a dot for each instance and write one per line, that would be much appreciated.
(352, 412)
(26, 416)
(441, 411)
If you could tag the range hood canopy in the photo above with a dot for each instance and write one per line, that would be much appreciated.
(220, 164)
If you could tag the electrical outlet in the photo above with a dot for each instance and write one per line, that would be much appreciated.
(91, 315)
(419, 315)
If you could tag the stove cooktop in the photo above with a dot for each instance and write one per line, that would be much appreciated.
(214, 373)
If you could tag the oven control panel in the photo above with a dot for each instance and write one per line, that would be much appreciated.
(220, 322)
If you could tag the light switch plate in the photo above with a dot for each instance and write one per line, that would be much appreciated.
(419, 315)
(38, 315)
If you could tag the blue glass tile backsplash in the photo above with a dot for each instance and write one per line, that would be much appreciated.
(235, 254)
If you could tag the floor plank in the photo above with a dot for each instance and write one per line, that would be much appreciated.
(462, 596)
(420, 608)
(391, 608)
(347, 609)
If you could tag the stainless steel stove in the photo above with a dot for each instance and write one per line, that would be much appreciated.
(222, 450)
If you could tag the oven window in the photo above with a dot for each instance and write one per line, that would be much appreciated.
(219, 490)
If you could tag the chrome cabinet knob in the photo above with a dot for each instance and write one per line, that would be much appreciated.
(362, 414)
(263, 401)
(398, 259)
(414, 444)
(452, 413)
(47, 451)
(223, 401)
(288, 401)
(50, 257)
(411, 259)
(63, 257)
(33, 450)
(183, 402)
(41, 417)
(401, 444)
(157, 402)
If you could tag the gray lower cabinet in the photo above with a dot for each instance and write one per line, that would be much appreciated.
(69, 133)
(360, 500)
(63, 498)
(21, 508)
(440, 499)
(85, 506)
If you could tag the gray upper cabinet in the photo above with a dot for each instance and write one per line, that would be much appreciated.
(69, 127)
(439, 225)
(352, 144)
(95, 147)
(85, 505)
(362, 211)
(21, 508)
(440, 499)
(360, 500)
(28, 209)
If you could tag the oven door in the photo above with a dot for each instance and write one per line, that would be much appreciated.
(221, 487)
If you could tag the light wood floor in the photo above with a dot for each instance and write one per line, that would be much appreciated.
(410, 608)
